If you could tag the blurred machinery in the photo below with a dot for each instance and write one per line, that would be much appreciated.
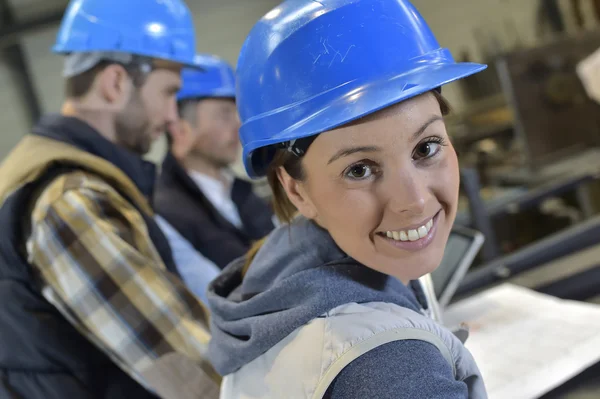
(554, 118)
(531, 165)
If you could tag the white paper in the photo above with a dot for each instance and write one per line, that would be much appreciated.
(526, 343)
(588, 71)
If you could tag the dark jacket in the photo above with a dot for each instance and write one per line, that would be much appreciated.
(181, 202)
(41, 354)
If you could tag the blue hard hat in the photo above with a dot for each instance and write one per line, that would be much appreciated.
(153, 28)
(310, 66)
(215, 79)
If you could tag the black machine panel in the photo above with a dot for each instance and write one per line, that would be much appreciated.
(553, 114)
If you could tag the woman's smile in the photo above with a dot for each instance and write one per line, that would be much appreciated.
(412, 238)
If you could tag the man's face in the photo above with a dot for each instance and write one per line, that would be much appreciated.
(215, 133)
(149, 111)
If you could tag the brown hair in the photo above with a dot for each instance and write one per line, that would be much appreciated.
(282, 206)
(79, 85)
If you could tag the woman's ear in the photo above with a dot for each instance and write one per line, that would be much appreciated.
(297, 194)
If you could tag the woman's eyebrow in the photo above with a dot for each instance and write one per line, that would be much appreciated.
(344, 152)
(420, 131)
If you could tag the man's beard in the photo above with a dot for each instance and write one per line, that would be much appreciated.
(132, 127)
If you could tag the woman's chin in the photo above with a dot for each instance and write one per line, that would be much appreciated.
(410, 265)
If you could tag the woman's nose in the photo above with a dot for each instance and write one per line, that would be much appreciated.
(408, 194)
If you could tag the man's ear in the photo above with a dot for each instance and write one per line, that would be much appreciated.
(114, 85)
(297, 194)
(182, 138)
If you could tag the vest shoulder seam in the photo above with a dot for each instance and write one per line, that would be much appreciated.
(374, 341)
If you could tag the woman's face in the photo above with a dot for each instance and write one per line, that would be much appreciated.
(385, 187)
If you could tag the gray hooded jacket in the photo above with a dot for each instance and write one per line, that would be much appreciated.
(303, 292)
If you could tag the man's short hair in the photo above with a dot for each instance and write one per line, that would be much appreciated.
(79, 85)
(188, 109)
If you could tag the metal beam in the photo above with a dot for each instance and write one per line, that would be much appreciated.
(480, 218)
(557, 245)
(10, 33)
(578, 287)
(534, 197)
(14, 55)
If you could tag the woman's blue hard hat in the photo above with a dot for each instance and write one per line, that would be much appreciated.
(310, 66)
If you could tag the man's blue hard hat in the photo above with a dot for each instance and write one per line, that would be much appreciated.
(215, 79)
(160, 29)
(310, 66)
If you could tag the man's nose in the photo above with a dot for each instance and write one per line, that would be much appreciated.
(172, 115)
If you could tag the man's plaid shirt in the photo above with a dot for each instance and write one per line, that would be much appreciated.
(101, 270)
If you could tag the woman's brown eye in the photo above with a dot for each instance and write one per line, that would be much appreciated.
(427, 149)
(358, 172)
(423, 150)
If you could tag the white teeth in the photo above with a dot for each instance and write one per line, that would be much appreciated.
(411, 235)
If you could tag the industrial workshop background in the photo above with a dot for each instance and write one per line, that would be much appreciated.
(526, 130)
(30, 82)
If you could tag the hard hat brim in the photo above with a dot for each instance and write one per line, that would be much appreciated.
(199, 96)
(185, 62)
(346, 103)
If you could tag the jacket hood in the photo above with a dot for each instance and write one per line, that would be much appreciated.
(299, 274)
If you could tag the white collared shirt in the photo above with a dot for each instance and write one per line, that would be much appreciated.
(219, 195)
(195, 269)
